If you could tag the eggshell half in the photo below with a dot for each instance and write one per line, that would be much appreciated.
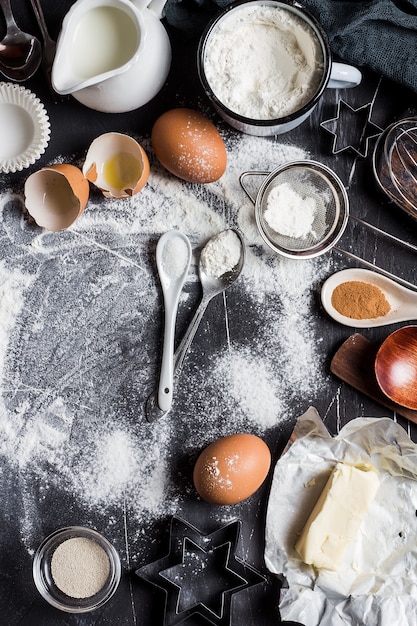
(56, 195)
(232, 468)
(116, 164)
(189, 146)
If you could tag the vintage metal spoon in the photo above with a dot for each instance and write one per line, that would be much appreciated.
(211, 287)
(173, 257)
(403, 301)
(49, 45)
(20, 52)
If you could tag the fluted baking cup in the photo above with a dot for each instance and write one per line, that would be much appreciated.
(24, 128)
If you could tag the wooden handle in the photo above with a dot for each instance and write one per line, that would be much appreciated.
(354, 364)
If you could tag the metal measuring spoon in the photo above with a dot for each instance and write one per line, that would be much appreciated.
(211, 286)
(403, 301)
(20, 52)
(173, 265)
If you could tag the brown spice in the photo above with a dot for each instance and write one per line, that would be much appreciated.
(359, 300)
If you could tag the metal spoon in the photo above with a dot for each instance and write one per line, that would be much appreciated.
(20, 52)
(403, 301)
(211, 287)
(173, 263)
(49, 45)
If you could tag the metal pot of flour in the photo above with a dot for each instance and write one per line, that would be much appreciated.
(265, 64)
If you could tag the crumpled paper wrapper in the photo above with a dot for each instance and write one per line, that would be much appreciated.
(377, 584)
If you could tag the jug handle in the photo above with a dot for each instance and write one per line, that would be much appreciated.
(344, 76)
(156, 6)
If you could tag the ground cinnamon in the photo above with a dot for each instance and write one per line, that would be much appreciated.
(359, 300)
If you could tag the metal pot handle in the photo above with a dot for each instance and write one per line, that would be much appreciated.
(242, 182)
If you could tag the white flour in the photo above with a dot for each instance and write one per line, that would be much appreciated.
(288, 213)
(174, 258)
(80, 347)
(263, 62)
(221, 254)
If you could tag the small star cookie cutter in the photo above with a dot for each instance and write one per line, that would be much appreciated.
(201, 573)
(347, 133)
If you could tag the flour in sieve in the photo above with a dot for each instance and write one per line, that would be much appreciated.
(79, 347)
(288, 213)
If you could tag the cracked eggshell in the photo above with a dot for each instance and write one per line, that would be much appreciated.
(56, 195)
(116, 164)
(189, 146)
(231, 469)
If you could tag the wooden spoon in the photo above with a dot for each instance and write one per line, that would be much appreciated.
(396, 366)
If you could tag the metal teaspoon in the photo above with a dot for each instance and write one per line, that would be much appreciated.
(20, 52)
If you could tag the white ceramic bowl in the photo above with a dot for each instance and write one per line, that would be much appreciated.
(24, 128)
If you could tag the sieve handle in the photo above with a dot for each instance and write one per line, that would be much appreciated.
(384, 233)
(376, 268)
(242, 178)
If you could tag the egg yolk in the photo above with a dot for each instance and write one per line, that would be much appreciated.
(122, 171)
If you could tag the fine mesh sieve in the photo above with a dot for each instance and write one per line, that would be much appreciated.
(311, 180)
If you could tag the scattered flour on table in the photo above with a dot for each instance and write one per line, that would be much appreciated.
(79, 353)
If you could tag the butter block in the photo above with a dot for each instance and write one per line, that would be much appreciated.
(335, 519)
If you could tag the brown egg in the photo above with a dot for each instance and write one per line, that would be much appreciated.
(189, 146)
(231, 469)
(116, 164)
(56, 195)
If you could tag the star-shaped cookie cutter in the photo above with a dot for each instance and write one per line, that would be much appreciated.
(200, 573)
(347, 133)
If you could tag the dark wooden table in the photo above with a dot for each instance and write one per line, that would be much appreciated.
(32, 507)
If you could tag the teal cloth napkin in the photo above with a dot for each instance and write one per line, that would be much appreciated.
(381, 34)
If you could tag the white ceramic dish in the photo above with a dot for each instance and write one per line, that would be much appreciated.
(403, 301)
(24, 128)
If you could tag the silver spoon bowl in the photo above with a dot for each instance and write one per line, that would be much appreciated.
(211, 286)
(20, 52)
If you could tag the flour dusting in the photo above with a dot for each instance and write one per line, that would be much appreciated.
(80, 344)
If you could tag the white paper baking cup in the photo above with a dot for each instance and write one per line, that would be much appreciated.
(24, 128)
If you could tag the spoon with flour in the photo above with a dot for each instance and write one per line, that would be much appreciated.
(221, 263)
(173, 257)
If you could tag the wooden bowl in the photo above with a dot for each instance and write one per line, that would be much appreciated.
(396, 367)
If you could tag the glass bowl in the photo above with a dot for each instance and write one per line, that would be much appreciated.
(45, 583)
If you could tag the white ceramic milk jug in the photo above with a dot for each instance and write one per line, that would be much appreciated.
(112, 55)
